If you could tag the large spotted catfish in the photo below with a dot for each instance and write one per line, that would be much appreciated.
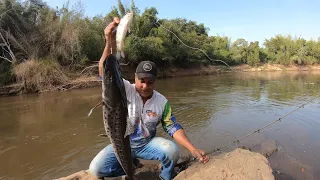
(115, 113)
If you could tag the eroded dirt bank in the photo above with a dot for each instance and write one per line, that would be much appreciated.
(263, 161)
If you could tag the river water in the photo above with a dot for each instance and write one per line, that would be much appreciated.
(46, 136)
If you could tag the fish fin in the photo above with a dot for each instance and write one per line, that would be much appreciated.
(124, 64)
(98, 105)
(129, 129)
(103, 135)
(122, 54)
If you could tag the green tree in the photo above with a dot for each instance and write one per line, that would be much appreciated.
(239, 51)
(253, 54)
(121, 8)
(147, 21)
(31, 30)
(113, 13)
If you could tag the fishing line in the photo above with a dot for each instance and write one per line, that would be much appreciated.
(160, 25)
(256, 131)
(194, 48)
(238, 140)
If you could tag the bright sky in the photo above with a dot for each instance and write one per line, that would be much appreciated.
(249, 19)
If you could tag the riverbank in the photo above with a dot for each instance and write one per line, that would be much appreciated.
(85, 81)
(264, 161)
(238, 164)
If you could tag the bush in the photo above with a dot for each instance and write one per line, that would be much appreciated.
(40, 75)
(6, 75)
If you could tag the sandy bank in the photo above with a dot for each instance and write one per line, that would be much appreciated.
(265, 160)
(238, 164)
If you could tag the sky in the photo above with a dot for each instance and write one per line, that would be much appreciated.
(253, 20)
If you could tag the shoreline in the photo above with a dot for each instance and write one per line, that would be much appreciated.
(266, 160)
(93, 81)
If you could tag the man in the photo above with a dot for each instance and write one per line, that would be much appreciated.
(147, 108)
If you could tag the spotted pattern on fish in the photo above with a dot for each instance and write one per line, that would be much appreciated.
(115, 114)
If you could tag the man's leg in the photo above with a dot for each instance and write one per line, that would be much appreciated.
(106, 164)
(166, 151)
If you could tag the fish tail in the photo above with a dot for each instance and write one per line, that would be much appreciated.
(118, 56)
(122, 54)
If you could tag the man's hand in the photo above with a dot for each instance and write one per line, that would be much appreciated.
(108, 30)
(110, 42)
(182, 139)
(200, 154)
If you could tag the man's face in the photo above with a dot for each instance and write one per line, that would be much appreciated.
(144, 86)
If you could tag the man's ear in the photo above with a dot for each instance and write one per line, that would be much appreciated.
(135, 77)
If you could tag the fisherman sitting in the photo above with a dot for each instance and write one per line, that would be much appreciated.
(147, 108)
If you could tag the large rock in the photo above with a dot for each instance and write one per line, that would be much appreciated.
(147, 172)
(266, 148)
(81, 175)
(239, 164)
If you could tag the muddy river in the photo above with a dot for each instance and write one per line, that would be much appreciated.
(47, 136)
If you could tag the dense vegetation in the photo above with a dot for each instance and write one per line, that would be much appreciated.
(35, 37)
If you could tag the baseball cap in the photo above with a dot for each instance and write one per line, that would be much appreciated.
(147, 69)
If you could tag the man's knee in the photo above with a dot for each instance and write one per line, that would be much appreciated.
(101, 165)
(94, 169)
(99, 170)
(170, 149)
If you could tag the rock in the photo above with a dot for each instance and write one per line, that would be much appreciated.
(285, 166)
(145, 172)
(81, 175)
(238, 164)
(266, 148)
(288, 167)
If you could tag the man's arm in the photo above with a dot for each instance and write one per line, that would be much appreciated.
(110, 42)
(182, 139)
(175, 130)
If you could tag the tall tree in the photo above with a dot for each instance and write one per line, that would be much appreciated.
(239, 50)
(121, 8)
(113, 13)
(253, 53)
(134, 9)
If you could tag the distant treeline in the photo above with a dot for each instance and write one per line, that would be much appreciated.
(65, 38)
